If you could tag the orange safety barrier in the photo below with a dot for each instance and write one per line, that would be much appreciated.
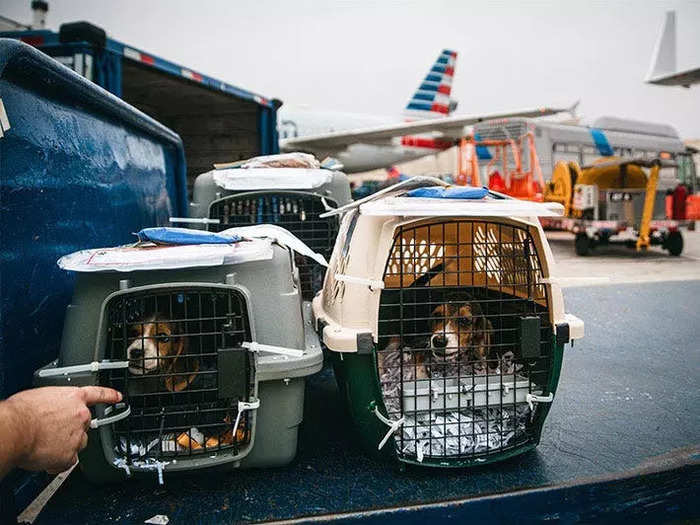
(515, 182)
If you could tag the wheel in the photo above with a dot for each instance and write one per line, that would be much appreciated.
(582, 244)
(674, 243)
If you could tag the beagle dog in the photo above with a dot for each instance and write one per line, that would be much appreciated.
(459, 333)
(156, 346)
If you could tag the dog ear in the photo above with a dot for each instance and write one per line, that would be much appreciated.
(484, 330)
(184, 368)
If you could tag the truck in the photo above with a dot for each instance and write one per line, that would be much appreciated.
(217, 121)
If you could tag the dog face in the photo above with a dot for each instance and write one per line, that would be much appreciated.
(459, 327)
(151, 340)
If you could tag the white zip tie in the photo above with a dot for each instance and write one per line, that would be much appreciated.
(97, 422)
(326, 206)
(280, 350)
(393, 426)
(372, 283)
(243, 406)
(95, 366)
(194, 220)
(538, 399)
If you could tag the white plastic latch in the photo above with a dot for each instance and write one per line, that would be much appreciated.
(372, 283)
(242, 407)
(271, 349)
(393, 426)
(575, 326)
(534, 398)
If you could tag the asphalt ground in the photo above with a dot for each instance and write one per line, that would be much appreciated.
(628, 394)
(619, 264)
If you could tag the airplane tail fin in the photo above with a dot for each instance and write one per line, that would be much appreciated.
(432, 98)
(663, 61)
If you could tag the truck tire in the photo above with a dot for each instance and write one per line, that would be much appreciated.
(582, 244)
(674, 243)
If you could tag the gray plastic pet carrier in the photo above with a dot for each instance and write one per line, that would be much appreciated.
(289, 197)
(209, 344)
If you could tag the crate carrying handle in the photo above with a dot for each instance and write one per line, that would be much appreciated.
(108, 420)
(393, 426)
(538, 399)
(242, 406)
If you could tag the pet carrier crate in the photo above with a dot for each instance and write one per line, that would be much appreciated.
(293, 198)
(210, 345)
(444, 322)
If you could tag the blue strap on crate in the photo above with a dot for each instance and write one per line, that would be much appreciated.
(183, 236)
(460, 192)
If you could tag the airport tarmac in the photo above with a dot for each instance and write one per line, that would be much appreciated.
(616, 264)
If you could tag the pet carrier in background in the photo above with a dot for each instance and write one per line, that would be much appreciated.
(265, 190)
(444, 322)
(209, 343)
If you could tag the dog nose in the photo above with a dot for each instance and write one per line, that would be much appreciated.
(135, 353)
(439, 341)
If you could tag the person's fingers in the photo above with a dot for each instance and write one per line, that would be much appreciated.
(99, 394)
(84, 441)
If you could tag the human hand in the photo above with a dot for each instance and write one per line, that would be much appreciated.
(51, 423)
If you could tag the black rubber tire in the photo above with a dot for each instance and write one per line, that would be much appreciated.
(582, 244)
(674, 243)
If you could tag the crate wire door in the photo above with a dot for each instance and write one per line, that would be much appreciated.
(297, 212)
(173, 339)
(464, 337)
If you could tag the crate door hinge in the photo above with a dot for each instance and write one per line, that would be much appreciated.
(4, 120)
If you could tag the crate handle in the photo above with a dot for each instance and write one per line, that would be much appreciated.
(108, 420)
(95, 366)
(393, 426)
(530, 398)
(243, 406)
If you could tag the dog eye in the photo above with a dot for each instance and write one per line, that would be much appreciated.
(163, 337)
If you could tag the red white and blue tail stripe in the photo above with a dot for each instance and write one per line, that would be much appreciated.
(432, 98)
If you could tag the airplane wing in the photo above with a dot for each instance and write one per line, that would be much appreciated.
(683, 78)
(452, 127)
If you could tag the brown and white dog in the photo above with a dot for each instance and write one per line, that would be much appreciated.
(157, 347)
(460, 333)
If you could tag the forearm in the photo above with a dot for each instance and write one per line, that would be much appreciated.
(12, 440)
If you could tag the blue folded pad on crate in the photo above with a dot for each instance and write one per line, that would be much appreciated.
(462, 192)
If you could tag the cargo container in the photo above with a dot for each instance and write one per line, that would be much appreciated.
(79, 168)
(218, 122)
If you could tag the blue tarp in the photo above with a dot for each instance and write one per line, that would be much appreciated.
(184, 236)
(460, 192)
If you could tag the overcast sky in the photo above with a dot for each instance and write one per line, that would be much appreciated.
(368, 57)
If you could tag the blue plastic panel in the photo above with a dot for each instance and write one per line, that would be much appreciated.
(79, 168)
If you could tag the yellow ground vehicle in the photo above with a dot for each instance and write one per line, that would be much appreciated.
(613, 200)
